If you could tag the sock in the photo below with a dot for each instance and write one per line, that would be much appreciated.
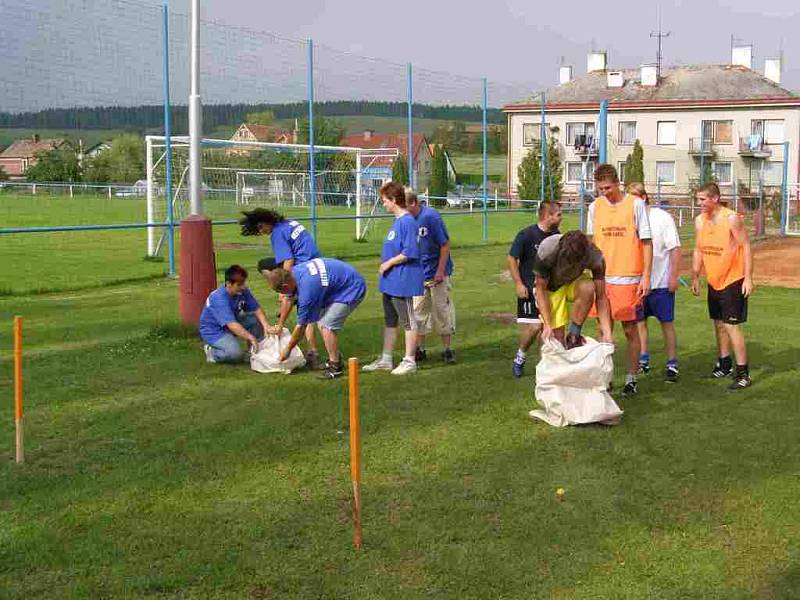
(644, 357)
(630, 378)
(574, 328)
(742, 370)
(386, 357)
(673, 362)
(421, 347)
(726, 362)
(410, 359)
(520, 358)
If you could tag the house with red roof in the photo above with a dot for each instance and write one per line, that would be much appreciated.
(22, 154)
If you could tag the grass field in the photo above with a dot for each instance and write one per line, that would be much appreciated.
(473, 164)
(152, 474)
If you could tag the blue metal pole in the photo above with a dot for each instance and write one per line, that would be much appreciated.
(581, 202)
(485, 163)
(410, 149)
(311, 165)
(785, 191)
(602, 129)
(168, 149)
(542, 150)
(702, 155)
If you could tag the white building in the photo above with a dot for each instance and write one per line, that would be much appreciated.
(727, 115)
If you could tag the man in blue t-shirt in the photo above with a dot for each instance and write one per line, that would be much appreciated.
(292, 245)
(327, 291)
(433, 309)
(231, 312)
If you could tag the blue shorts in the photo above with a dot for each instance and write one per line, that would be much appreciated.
(660, 304)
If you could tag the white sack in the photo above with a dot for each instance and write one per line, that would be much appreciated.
(571, 385)
(269, 350)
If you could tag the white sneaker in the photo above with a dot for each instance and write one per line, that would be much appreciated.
(209, 355)
(405, 367)
(378, 365)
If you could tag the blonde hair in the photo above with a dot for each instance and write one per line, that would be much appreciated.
(637, 189)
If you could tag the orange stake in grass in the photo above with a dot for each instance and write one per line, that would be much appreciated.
(18, 387)
(355, 450)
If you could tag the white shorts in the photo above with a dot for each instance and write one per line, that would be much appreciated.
(435, 309)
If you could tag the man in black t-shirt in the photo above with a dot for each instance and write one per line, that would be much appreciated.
(520, 264)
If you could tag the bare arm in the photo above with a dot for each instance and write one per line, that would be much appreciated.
(697, 256)
(543, 303)
(603, 311)
(740, 236)
(236, 329)
(392, 262)
(674, 268)
(513, 268)
(297, 335)
(444, 253)
(644, 284)
(262, 318)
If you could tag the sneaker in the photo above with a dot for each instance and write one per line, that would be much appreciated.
(740, 382)
(644, 368)
(518, 368)
(573, 340)
(378, 365)
(719, 372)
(332, 370)
(313, 361)
(671, 374)
(449, 357)
(421, 354)
(630, 389)
(404, 368)
(209, 354)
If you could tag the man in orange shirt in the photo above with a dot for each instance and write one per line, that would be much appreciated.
(723, 248)
(621, 229)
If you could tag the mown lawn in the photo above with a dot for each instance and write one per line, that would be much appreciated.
(152, 474)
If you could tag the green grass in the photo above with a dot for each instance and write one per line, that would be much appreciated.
(152, 474)
(472, 164)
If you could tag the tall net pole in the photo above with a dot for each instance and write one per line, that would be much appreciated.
(195, 114)
(485, 163)
(311, 160)
(167, 149)
(410, 101)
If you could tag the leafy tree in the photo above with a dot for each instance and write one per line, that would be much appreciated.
(529, 173)
(400, 170)
(439, 183)
(60, 164)
(124, 162)
(264, 117)
(3, 174)
(327, 132)
(634, 165)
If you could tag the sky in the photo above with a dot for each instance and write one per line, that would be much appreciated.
(109, 52)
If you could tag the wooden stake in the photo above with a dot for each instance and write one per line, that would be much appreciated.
(18, 388)
(355, 450)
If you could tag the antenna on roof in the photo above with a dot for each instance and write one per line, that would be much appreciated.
(660, 35)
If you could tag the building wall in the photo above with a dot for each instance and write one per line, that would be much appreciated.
(15, 167)
(688, 126)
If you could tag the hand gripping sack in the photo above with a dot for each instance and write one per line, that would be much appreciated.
(266, 360)
(572, 385)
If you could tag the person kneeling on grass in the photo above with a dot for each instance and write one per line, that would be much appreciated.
(326, 291)
(231, 312)
(559, 268)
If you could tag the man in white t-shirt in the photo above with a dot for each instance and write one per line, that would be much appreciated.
(660, 302)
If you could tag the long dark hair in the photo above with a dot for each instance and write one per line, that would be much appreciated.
(253, 218)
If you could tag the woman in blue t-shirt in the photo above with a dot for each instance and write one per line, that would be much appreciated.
(401, 278)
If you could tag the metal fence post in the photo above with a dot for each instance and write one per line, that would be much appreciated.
(485, 164)
(542, 149)
(602, 133)
(785, 191)
(168, 149)
(312, 188)
(410, 149)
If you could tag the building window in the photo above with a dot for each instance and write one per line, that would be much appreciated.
(773, 132)
(773, 173)
(574, 171)
(580, 134)
(666, 133)
(621, 170)
(532, 133)
(627, 133)
(723, 173)
(717, 132)
(665, 172)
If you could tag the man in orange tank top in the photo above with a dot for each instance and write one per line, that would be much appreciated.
(723, 248)
(621, 229)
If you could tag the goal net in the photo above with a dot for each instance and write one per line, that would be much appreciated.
(240, 176)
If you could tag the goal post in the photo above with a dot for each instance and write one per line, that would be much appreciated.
(245, 174)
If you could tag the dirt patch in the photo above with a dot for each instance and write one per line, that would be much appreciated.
(776, 262)
(504, 318)
(236, 246)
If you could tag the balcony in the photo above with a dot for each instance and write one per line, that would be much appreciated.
(752, 146)
(701, 148)
(585, 147)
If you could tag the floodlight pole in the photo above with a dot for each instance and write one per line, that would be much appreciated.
(195, 114)
(410, 118)
(484, 108)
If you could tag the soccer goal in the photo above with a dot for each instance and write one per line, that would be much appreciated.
(239, 175)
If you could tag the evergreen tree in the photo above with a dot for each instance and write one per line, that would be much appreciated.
(634, 165)
(529, 174)
(400, 170)
(439, 183)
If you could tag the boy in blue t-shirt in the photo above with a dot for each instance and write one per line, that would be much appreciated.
(231, 312)
(292, 245)
(327, 291)
(401, 278)
(434, 308)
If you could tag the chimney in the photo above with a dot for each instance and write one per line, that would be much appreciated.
(649, 75)
(615, 79)
(596, 61)
(368, 134)
(36, 138)
(772, 69)
(565, 74)
(742, 56)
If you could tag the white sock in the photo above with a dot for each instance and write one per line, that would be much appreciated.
(521, 354)
(386, 357)
(630, 378)
(410, 359)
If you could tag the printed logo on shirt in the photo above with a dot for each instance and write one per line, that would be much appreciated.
(241, 305)
(297, 229)
(391, 235)
(317, 267)
(423, 231)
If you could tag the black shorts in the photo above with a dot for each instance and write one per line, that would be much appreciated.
(397, 310)
(527, 310)
(728, 305)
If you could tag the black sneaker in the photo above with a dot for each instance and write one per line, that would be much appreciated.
(740, 382)
(449, 357)
(644, 368)
(671, 374)
(719, 371)
(332, 370)
(573, 340)
(421, 354)
(630, 389)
